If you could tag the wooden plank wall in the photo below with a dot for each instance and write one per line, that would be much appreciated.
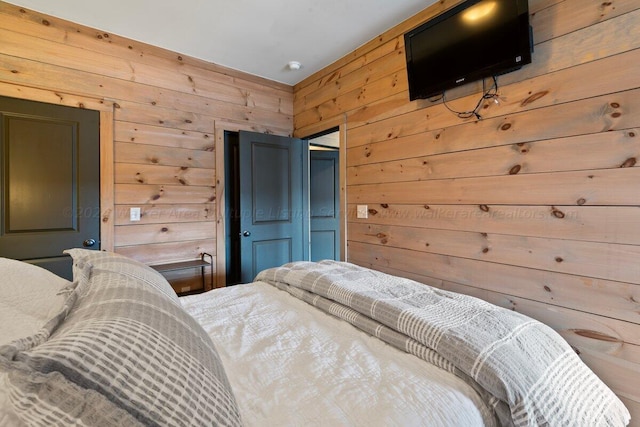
(536, 206)
(167, 110)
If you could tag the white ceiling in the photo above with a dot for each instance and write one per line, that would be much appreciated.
(256, 36)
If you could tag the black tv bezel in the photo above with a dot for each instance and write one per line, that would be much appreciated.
(525, 40)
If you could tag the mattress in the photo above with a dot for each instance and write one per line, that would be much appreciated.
(291, 364)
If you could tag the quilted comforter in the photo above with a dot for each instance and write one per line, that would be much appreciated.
(521, 367)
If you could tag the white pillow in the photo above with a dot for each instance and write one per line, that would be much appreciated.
(28, 298)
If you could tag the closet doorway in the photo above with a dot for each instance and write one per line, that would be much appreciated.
(324, 196)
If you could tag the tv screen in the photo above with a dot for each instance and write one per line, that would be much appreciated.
(472, 41)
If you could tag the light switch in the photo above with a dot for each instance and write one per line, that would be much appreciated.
(362, 211)
(134, 214)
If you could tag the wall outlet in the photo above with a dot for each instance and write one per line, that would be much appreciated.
(134, 214)
(362, 211)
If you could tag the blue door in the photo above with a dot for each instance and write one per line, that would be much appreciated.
(324, 190)
(274, 225)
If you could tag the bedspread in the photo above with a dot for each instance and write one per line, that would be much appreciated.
(290, 364)
(532, 374)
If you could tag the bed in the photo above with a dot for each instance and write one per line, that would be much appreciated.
(327, 344)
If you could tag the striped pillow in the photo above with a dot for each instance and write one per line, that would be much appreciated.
(122, 265)
(121, 352)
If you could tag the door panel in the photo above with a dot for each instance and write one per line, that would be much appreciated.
(323, 245)
(271, 182)
(49, 168)
(324, 187)
(28, 168)
(271, 253)
(272, 201)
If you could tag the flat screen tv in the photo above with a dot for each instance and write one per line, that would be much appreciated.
(472, 41)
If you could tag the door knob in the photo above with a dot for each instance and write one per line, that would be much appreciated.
(88, 243)
(246, 233)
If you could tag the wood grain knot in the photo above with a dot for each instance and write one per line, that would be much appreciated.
(182, 181)
(559, 259)
(557, 213)
(15, 71)
(45, 22)
(373, 211)
(615, 105)
(384, 205)
(155, 197)
(533, 98)
(630, 162)
(381, 235)
(595, 335)
(164, 229)
(616, 115)
(106, 215)
(515, 169)
(505, 126)
(484, 208)
(631, 134)
(546, 288)
(581, 201)
(427, 207)
(485, 250)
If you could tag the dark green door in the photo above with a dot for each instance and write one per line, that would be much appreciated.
(50, 180)
(273, 202)
(324, 190)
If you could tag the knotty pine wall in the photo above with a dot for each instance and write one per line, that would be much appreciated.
(536, 206)
(162, 125)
